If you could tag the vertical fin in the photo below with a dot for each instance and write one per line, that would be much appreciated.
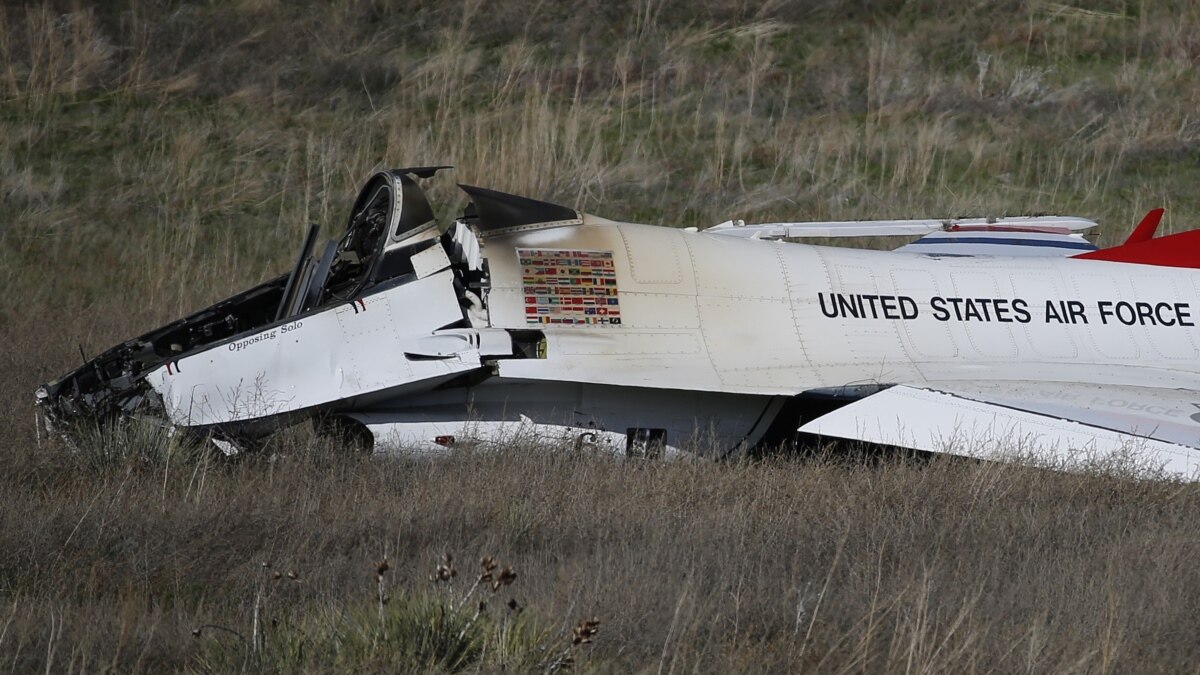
(1145, 230)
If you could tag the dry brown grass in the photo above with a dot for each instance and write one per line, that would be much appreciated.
(781, 565)
(155, 157)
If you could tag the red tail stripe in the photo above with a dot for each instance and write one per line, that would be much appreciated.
(1175, 250)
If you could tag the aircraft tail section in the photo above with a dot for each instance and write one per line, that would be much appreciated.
(1142, 248)
(1145, 230)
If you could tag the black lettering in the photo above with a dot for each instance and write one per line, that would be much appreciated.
(972, 311)
(832, 311)
(1145, 313)
(1158, 313)
(1075, 312)
(1052, 313)
(955, 302)
(888, 303)
(986, 305)
(850, 305)
(1021, 309)
(871, 299)
(937, 304)
(1001, 307)
(1184, 312)
(1126, 314)
(847, 308)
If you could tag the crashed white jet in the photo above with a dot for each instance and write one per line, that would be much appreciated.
(1003, 338)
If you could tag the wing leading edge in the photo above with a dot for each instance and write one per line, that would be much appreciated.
(1078, 431)
(1019, 237)
(893, 228)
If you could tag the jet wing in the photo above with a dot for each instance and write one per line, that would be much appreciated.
(892, 228)
(1017, 237)
(1135, 430)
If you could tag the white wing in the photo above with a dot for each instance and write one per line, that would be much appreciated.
(888, 228)
(1067, 426)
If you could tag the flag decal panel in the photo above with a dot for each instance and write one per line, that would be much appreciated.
(569, 287)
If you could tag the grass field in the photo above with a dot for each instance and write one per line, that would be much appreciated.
(157, 156)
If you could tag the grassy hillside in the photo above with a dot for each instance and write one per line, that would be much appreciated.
(157, 156)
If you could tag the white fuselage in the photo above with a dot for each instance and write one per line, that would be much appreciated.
(705, 312)
(740, 322)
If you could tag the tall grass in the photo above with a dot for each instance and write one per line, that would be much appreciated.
(155, 157)
(829, 565)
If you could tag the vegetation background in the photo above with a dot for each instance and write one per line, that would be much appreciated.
(156, 156)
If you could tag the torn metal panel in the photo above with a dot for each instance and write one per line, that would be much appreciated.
(350, 350)
(429, 261)
(497, 213)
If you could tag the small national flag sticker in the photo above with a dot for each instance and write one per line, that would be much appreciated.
(569, 287)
